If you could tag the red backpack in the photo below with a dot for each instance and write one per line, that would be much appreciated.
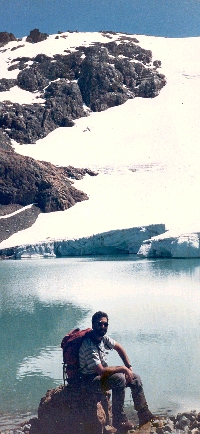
(70, 345)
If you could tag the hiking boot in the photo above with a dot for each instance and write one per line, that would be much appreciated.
(145, 416)
(124, 427)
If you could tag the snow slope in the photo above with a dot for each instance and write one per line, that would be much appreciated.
(146, 151)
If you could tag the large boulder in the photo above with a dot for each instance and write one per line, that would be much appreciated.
(71, 411)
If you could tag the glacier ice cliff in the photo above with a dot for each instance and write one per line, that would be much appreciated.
(179, 246)
(124, 241)
(152, 241)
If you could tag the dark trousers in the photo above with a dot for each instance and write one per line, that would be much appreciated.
(96, 385)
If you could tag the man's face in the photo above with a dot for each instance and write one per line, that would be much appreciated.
(100, 327)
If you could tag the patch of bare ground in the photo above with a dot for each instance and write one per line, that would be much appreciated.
(17, 222)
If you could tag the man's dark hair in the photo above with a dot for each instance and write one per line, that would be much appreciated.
(98, 315)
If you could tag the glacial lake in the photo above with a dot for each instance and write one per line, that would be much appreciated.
(154, 312)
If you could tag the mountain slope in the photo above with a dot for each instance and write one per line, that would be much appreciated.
(100, 75)
(145, 150)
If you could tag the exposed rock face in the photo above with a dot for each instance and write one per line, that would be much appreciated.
(36, 36)
(124, 241)
(6, 37)
(182, 246)
(5, 142)
(64, 103)
(23, 123)
(101, 84)
(6, 84)
(25, 181)
(100, 76)
(30, 122)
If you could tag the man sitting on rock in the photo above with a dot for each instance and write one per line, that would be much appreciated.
(98, 376)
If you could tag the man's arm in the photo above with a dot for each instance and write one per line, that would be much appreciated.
(109, 370)
(122, 354)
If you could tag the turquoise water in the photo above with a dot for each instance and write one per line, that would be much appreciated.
(154, 312)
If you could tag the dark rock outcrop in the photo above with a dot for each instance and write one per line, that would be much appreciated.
(107, 80)
(32, 79)
(24, 123)
(6, 84)
(63, 103)
(101, 84)
(36, 36)
(25, 181)
(17, 47)
(5, 142)
(19, 63)
(29, 122)
(6, 37)
(157, 63)
(100, 76)
(129, 50)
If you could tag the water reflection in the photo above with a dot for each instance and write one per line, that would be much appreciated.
(31, 358)
(154, 312)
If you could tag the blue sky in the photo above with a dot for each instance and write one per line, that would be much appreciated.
(170, 18)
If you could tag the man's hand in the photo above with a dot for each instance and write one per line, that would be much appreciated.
(129, 375)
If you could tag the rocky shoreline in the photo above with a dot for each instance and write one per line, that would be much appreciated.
(187, 422)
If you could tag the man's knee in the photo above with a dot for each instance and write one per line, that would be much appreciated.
(136, 382)
(117, 381)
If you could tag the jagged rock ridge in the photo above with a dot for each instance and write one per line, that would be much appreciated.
(100, 76)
